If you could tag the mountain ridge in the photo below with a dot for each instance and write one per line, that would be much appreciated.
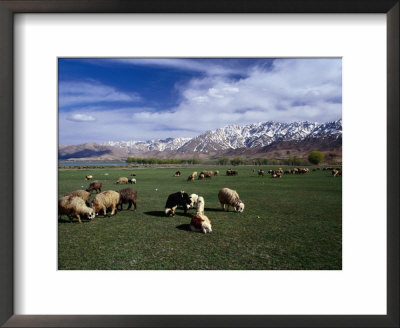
(247, 139)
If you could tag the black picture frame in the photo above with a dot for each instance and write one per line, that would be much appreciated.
(10, 7)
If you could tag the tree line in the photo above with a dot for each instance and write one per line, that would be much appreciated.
(315, 157)
(152, 160)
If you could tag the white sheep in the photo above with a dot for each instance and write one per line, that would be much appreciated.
(132, 181)
(230, 197)
(89, 177)
(104, 200)
(74, 206)
(200, 223)
(200, 205)
(193, 199)
(80, 193)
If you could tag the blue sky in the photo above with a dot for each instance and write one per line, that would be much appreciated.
(139, 99)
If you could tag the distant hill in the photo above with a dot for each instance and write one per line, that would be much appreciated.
(265, 139)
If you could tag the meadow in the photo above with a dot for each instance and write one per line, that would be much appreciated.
(291, 223)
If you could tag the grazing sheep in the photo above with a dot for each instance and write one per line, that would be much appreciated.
(190, 178)
(194, 174)
(201, 176)
(200, 223)
(193, 200)
(122, 180)
(74, 206)
(208, 175)
(229, 172)
(230, 197)
(85, 195)
(177, 174)
(89, 177)
(261, 172)
(179, 198)
(276, 175)
(127, 196)
(216, 173)
(200, 205)
(204, 172)
(95, 185)
(132, 181)
(234, 172)
(301, 170)
(104, 200)
(336, 173)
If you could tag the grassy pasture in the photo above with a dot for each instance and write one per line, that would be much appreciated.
(292, 223)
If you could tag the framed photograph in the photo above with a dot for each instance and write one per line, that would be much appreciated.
(140, 124)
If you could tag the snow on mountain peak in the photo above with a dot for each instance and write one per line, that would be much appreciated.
(235, 136)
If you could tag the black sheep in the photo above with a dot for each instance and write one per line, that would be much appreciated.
(179, 198)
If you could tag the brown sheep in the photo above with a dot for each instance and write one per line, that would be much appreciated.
(200, 223)
(95, 185)
(127, 196)
(190, 178)
(177, 174)
(261, 173)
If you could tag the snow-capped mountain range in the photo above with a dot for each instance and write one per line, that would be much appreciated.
(234, 136)
(257, 138)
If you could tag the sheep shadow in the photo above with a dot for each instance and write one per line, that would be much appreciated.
(62, 220)
(155, 213)
(184, 227)
(210, 209)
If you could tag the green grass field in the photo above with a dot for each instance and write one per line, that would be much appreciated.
(292, 223)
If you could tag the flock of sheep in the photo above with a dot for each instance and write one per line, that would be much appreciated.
(77, 203)
(199, 222)
(203, 175)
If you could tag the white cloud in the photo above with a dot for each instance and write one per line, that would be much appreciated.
(196, 65)
(78, 93)
(290, 90)
(81, 118)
